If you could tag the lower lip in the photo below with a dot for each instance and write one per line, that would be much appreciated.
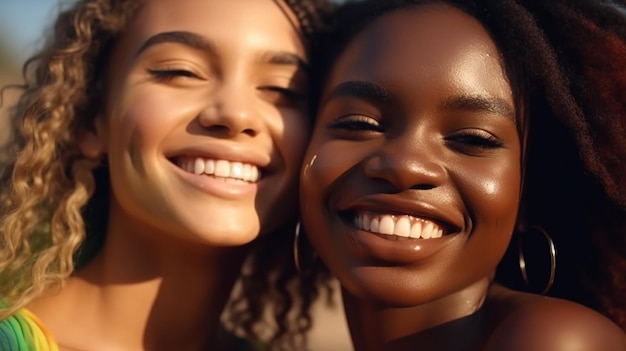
(391, 250)
(216, 186)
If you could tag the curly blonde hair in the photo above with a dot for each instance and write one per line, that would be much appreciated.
(51, 195)
(46, 182)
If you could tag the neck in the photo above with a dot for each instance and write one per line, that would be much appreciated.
(426, 326)
(147, 290)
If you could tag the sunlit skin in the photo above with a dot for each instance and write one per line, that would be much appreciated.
(423, 129)
(420, 134)
(214, 80)
(219, 90)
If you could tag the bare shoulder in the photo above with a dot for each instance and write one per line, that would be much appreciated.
(541, 323)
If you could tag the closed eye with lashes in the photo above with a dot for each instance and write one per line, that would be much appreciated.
(476, 138)
(168, 74)
(290, 94)
(357, 123)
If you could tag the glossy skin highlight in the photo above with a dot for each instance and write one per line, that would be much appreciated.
(426, 128)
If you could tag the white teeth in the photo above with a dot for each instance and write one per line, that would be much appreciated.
(246, 169)
(438, 233)
(375, 225)
(366, 222)
(222, 169)
(209, 167)
(236, 171)
(427, 230)
(386, 225)
(416, 230)
(198, 166)
(402, 225)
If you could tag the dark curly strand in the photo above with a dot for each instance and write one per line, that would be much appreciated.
(288, 298)
(259, 292)
(313, 16)
(566, 62)
(590, 37)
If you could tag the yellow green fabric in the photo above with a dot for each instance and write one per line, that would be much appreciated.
(24, 332)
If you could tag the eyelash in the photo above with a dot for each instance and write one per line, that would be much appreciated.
(357, 123)
(286, 92)
(168, 74)
(476, 138)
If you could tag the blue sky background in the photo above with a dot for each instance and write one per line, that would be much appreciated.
(22, 24)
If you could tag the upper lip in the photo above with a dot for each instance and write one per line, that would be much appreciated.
(406, 205)
(229, 152)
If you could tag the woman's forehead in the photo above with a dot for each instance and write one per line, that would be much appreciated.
(419, 46)
(252, 22)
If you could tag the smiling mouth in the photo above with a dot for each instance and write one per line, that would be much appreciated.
(394, 226)
(228, 170)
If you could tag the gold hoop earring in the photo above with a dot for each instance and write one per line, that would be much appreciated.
(296, 252)
(551, 251)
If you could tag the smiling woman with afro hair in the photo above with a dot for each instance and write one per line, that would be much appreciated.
(556, 69)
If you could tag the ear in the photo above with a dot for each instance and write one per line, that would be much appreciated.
(92, 141)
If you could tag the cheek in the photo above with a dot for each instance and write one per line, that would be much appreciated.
(292, 136)
(289, 131)
(493, 194)
(326, 163)
(321, 170)
(144, 117)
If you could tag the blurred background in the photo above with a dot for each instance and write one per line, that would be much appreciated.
(22, 23)
(22, 27)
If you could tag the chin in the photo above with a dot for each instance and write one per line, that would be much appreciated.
(388, 298)
(381, 287)
(231, 236)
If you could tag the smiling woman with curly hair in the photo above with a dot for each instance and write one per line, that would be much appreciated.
(156, 146)
(463, 148)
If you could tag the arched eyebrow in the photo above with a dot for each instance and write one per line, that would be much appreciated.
(198, 42)
(283, 58)
(378, 94)
(189, 39)
(363, 90)
(480, 103)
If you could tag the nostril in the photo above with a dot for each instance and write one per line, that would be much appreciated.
(218, 129)
(423, 187)
(249, 131)
(224, 131)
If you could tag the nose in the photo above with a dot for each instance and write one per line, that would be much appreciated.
(407, 163)
(230, 112)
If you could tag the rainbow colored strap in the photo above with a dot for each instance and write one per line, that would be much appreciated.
(24, 332)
